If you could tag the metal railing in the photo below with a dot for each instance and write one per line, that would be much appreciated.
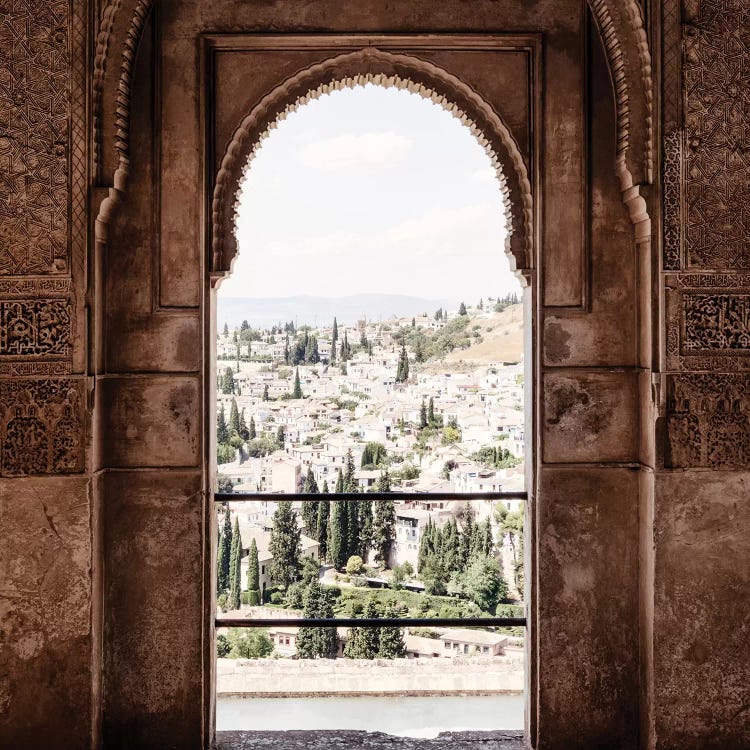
(355, 622)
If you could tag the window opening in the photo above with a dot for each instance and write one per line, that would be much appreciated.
(356, 389)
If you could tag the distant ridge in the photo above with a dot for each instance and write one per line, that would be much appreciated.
(263, 313)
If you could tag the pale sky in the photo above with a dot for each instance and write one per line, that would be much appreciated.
(371, 190)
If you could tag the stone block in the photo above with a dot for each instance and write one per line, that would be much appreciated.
(590, 416)
(588, 608)
(45, 613)
(153, 604)
(151, 421)
(701, 614)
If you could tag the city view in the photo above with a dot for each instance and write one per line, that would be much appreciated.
(383, 391)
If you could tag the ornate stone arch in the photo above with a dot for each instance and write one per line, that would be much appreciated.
(385, 69)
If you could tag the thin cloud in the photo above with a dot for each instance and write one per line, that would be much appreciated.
(356, 151)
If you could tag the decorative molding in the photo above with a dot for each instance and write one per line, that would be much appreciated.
(708, 421)
(717, 160)
(672, 200)
(41, 426)
(358, 68)
(35, 136)
(623, 34)
(708, 321)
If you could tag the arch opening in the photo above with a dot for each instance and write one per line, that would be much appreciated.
(265, 345)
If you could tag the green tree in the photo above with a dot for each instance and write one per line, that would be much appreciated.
(310, 508)
(252, 430)
(227, 382)
(297, 389)
(338, 538)
(321, 642)
(373, 455)
(483, 583)
(462, 309)
(234, 418)
(235, 567)
(364, 642)
(222, 431)
(265, 392)
(285, 546)
(224, 555)
(423, 415)
(226, 329)
(364, 524)
(383, 529)
(324, 509)
(253, 570)
(402, 371)
(354, 565)
(281, 435)
(431, 411)
(244, 430)
(242, 643)
(391, 645)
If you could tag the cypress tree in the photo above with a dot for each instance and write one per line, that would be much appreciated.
(281, 435)
(423, 415)
(234, 419)
(334, 340)
(370, 638)
(287, 354)
(235, 567)
(462, 309)
(227, 382)
(310, 509)
(391, 645)
(322, 526)
(383, 529)
(425, 546)
(224, 555)
(352, 528)
(252, 432)
(338, 539)
(350, 483)
(222, 431)
(364, 522)
(339, 483)
(297, 390)
(285, 546)
(226, 329)
(253, 569)
(317, 643)
(431, 411)
(265, 392)
(244, 431)
(477, 541)
(488, 543)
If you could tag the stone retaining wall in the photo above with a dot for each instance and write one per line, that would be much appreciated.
(329, 677)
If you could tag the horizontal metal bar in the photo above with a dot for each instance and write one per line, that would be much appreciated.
(380, 622)
(238, 497)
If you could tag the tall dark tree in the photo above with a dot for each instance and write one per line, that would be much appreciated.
(391, 644)
(235, 568)
(224, 555)
(364, 523)
(462, 309)
(281, 435)
(265, 392)
(244, 429)
(234, 418)
(423, 415)
(487, 547)
(338, 537)
(334, 340)
(350, 483)
(324, 509)
(297, 389)
(431, 411)
(317, 643)
(252, 431)
(226, 329)
(253, 568)
(287, 353)
(352, 528)
(227, 382)
(222, 431)
(383, 524)
(285, 546)
(371, 636)
(310, 509)
(402, 371)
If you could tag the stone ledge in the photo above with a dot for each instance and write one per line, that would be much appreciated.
(318, 740)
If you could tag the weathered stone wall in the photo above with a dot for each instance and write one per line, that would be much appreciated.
(48, 629)
(701, 652)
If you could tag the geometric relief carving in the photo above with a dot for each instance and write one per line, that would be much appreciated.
(708, 321)
(717, 114)
(708, 421)
(35, 326)
(41, 427)
(34, 136)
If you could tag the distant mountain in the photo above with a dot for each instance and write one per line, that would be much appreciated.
(263, 313)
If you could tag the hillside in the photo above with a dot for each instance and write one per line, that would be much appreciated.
(502, 339)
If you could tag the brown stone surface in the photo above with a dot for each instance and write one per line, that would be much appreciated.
(588, 608)
(367, 741)
(151, 421)
(45, 613)
(590, 416)
(153, 601)
(701, 612)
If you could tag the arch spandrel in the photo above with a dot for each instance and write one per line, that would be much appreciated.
(381, 68)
